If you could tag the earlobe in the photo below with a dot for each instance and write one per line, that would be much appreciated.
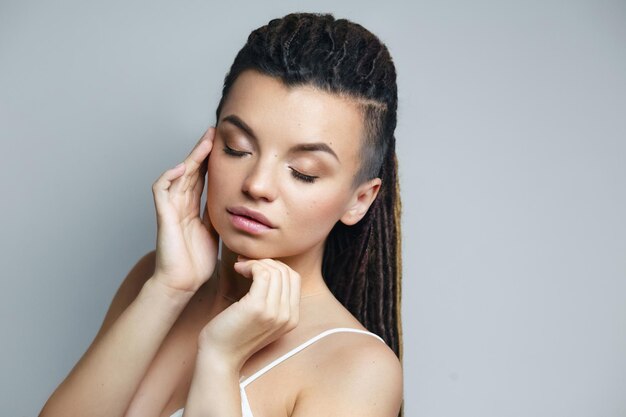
(361, 201)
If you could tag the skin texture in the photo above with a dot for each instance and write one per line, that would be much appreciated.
(262, 179)
(184, 326)
(259, 142)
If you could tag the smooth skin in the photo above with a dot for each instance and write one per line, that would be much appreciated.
(174, 335)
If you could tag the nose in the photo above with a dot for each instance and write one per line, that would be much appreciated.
(260, 182)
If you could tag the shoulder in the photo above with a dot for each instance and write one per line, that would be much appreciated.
(360, 376)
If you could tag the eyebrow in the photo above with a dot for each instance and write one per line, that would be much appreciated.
(301, 147)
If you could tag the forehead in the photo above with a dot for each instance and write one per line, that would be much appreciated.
(292, 115)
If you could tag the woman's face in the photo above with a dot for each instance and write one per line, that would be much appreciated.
(289, 154)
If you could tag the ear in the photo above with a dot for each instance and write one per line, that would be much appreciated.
(361, 201)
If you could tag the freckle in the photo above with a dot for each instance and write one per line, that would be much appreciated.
(275, 155)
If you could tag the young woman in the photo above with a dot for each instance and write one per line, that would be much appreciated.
(301, 314)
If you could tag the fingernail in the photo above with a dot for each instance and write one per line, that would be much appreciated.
(179, 165)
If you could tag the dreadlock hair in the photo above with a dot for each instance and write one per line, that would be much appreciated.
(361, 263)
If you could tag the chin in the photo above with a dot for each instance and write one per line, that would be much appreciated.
(251, 247)
(258, 247)
(273, 245)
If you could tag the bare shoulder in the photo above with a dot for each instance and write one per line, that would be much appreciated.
(360, 376)
(129, 289)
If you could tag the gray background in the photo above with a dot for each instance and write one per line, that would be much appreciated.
(511, 139)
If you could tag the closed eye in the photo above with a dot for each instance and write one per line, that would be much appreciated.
(296, 174)
(230, 151)
(303, 177)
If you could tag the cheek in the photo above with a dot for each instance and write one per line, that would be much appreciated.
(317, 214)
(215, 178)
(323, 208)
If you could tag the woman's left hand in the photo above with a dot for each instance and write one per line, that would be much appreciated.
(269, 310)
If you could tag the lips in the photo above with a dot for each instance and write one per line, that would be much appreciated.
(254, 215)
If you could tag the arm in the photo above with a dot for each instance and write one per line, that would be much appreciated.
(214, 390)
(104, 380)
(269, 310)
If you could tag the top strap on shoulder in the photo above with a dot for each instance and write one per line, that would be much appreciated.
(301, 347)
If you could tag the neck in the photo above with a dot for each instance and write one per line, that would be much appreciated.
(308, 265)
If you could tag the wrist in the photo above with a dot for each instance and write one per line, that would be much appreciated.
(165, 295)
(218, 362)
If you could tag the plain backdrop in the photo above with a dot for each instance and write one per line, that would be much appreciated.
(511, 140)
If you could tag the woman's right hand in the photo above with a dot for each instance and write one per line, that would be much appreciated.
(186, 252)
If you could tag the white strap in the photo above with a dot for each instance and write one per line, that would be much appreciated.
(299, 348)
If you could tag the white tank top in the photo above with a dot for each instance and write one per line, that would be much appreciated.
(245, 405)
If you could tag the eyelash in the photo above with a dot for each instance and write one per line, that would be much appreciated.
(231, 151)
(302, 177)
(296, 174)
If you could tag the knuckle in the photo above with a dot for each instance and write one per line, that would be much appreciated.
(267, 316)
(263, 275)
(277, 264)
(257, 309)
(295, 279)
(292, 323)
(283, 318)
(258, 267)
(271, 263)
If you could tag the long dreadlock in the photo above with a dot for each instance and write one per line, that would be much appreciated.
(362, 263)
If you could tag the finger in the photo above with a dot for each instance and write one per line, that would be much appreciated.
(194, 161)
(294, 294)
(256, 271)
(286, 293)
(286, 287)
(197, 189)
(244, 268)
(198, 183)
(276, 285)
(261, 281)
(160, 188)
(285, 304)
